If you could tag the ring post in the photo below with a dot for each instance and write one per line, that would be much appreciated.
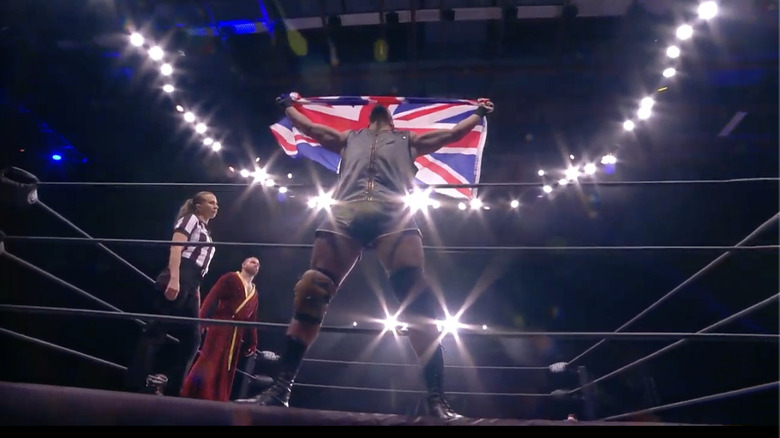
(589, 411)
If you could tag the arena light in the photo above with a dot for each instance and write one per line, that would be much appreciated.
(708, 10)
(476, 204)
(540, 172)
(156, 53)
(684, 32)
(449, 325)
(644, 112)
(136, 39)
(590, 169)
(321, 201)
(629, 125)
(669, 72)
(259, 176)
(547, 189)
(417, 200)
(514, 203)
(608, 159)
(673, 52)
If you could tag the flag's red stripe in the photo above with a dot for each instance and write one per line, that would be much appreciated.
(283, 143)
(470, 140)
(338, 123)
(419, 113)
(447, 176)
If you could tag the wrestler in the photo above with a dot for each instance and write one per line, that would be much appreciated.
(377, 170)
(177, 293)
(233, 297)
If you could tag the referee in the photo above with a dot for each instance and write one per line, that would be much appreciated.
(177, 293)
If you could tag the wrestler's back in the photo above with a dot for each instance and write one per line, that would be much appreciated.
(375, 166)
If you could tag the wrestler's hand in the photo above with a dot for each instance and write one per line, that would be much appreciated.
(172, 291)
(485, 103)
(287, 100)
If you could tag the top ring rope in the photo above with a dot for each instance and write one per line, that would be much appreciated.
(435, 186)
(427, 247)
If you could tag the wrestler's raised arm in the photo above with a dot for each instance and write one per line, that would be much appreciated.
(328, 137)
(430, 142)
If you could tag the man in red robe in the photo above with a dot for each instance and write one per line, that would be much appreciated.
(233, 297)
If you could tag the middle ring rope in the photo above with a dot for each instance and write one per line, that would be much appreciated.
(762, 337)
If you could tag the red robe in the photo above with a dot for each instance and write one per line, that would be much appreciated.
(211, 376)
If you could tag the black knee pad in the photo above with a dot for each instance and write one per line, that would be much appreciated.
(413, 291)
(313, 293)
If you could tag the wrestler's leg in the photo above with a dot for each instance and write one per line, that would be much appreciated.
(333, 257)
(403, 258)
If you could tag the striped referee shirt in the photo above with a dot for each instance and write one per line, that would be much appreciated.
(196, 231)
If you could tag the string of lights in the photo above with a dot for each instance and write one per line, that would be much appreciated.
(421, 198)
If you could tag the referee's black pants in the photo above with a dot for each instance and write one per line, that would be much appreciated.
(176, 358)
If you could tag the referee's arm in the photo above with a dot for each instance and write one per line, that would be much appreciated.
(174, 260)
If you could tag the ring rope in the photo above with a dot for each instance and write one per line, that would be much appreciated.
(412, 391)
(100, 245)
(343, 362)
(741, 244)
(713, 397)
(70, 286)
(433, 186)
(722, 322)
(352, 330)
(61, 349)
(427, 247)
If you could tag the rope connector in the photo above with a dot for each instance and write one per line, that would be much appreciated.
(558, 367)
(18, 187)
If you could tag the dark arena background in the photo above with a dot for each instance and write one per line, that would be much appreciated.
(616, 264)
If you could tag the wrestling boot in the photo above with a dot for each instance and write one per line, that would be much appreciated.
(279, 392)
(155, 384)
(434, 376)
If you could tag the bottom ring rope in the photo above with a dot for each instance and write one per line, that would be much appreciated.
(706, 398)
(722, 322)
(713, 397)
(97, 360)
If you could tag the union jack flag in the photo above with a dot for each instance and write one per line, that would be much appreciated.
(456, 163)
